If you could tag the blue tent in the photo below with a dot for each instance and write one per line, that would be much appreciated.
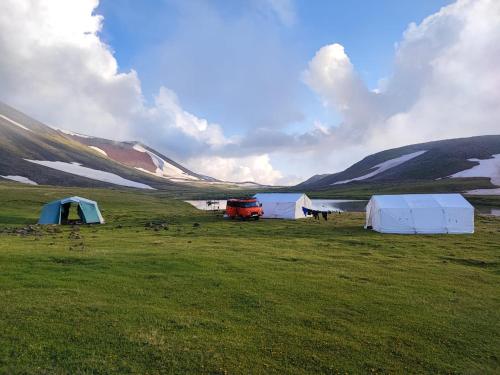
(57, 212)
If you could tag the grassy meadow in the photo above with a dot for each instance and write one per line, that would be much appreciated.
(163, 288)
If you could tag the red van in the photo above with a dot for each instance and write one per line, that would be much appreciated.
(244, 208)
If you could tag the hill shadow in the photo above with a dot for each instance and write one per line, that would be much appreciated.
(16, 220)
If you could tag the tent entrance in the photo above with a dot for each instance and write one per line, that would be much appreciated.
(72, 214)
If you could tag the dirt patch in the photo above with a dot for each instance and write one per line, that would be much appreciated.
(471, 262)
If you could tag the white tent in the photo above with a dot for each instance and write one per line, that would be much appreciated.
(420, 213)
(283, 205)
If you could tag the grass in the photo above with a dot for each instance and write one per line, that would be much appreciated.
(215, 296)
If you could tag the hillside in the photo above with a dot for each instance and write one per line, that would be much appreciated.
(34, 153)
(138, 156)
(474, 160)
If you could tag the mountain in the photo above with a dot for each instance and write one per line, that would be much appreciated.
(138, 156)
(32, 152)
(475, 158)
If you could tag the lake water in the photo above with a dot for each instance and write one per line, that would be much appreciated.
(494, 211)
(339, 205)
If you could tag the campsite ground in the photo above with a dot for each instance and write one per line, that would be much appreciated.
(192, 293)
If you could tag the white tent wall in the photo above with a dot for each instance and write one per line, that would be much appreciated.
(420, 213)
(304, 201)
(274, 210)
(283, 205)
(279, 210)
(396, 220)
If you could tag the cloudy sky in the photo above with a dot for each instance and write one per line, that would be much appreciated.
(273, 91)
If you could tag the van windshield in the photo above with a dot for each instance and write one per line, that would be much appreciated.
(249, 204)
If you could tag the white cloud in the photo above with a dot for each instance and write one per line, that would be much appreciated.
(445, 83)
(54, 66)
(250, 168)
(169, 111)
(333, 77)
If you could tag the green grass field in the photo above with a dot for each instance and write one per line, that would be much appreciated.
(231, 297)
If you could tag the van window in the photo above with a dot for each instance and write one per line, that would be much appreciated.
(249, 204)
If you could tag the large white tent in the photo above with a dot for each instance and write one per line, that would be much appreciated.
(283, 205)
(420, 213)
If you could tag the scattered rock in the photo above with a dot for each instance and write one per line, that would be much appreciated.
(74, 236)
(156, 226)
(30, 230)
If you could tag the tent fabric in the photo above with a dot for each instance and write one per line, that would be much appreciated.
(57, 212)
(283, 205)
(420, 213)
(89, 212)
(51, 214)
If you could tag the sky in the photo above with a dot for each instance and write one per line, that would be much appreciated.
(272, 91)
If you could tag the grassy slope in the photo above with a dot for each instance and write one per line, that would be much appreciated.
(366, 190)
(241, 297)
(443, 158)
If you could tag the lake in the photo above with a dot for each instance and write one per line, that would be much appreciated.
(339, 205)
(494, 211)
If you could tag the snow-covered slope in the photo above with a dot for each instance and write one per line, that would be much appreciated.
(10, 121)
(98, 150)
(164, 168)
(94, 174)
(21, 179)
(139, 157)
(382, 167)
(31, 152)
(489, 168)
(484, 192)
(474, 158)
(67, 132)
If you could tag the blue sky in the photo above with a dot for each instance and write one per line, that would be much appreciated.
(368, 29)
(142, 33)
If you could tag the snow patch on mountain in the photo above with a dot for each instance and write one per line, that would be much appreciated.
(486, 168)
(21, 179)
(164, 168)
(484, 192)
(15, 123)
(94, 174)
(98, 150)
(73, 133)
(384, 166)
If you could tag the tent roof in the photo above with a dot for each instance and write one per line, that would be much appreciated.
(278, 197)
(420, 201)
(74, 199)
